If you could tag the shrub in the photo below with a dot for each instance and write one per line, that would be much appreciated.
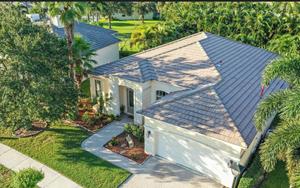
(27, 178)
(86, 117)
(135, 130)
(114, 141)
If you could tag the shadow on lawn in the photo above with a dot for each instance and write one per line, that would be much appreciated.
(70, 148)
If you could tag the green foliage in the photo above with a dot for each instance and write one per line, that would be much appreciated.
(59, 147)
(143, 8)
(27, 178)
(284, 142)
(113, 142)
(252, 23)
(285, 45)
(86, 117)
(6, 176)
(135, 130)
(34, 72)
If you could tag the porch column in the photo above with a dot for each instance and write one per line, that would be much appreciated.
(138, 104)
(114, 103)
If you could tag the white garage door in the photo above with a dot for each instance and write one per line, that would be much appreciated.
(194, 155)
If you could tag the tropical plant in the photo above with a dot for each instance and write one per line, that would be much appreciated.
(34, 72)
(82, 54)
(284, 142)
(68, 13)
(143, 8)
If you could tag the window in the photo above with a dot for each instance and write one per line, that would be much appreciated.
(160, 94)
(98, 88)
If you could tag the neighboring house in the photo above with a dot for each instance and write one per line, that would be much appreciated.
(103, 41)
(134, 16)
(212, 88)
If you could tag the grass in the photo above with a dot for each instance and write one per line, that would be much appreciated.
(6, 176)
(59, 148)
(124, 29)
(275, 179)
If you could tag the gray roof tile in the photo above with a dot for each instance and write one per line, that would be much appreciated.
(222, 80)
(97, 36)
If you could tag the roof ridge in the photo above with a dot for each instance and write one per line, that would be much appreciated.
(230, 121)
(160, 46)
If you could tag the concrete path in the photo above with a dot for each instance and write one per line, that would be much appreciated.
(154, 172)
(94, 145)
(16, 161)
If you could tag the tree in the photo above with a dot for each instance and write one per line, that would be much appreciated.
(68, 13)
(143, 8)
(34, 76)
(110, 8)
(83, 54)
(284, 142)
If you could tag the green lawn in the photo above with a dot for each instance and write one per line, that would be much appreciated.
(59, 148)
(276, 179)
(5, 177)
(125, 28)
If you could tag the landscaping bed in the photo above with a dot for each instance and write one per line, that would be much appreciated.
(37, 127)
(119, 145)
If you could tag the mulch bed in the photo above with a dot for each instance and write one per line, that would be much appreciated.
(100, 123)
(37, 127)
(136, 153)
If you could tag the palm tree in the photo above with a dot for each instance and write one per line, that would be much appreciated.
(109, 8)
(284, 142)
(82, 54)
(68, 13)
(142, 8)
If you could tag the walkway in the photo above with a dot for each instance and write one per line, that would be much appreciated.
(154, 172)
(94, 145)
(16, 161)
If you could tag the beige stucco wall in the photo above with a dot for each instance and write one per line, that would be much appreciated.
(155, 85)
(215, 153)
(108, 54)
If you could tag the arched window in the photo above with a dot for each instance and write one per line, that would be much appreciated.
(160, 94)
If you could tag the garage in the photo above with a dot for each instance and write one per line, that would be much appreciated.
(194, 155)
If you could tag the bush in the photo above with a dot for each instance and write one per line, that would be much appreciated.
(114, 141)
(135, 130)
(86, 117)
(27, 178)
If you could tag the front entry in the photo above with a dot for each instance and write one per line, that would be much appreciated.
(130, 101)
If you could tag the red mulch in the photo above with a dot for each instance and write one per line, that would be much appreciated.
(135, 153)
(100, 123)
(37, 127)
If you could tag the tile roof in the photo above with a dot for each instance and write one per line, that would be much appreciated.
(231, 69)
(98, 37)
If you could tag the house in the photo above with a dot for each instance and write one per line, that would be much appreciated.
(196, 98)
(103, 41)
(134, 16)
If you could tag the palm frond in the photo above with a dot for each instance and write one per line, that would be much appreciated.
(286, 136)
(268, 107)
(287, 69)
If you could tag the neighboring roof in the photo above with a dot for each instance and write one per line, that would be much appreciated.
(225, 109)
(97, 36)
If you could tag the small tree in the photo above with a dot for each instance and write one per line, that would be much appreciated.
(34, 72)
(143, 8)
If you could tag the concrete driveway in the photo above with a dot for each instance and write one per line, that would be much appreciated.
(159, 173)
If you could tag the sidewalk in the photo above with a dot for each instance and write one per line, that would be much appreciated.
(16, 161)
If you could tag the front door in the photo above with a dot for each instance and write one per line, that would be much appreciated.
(130, 101)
